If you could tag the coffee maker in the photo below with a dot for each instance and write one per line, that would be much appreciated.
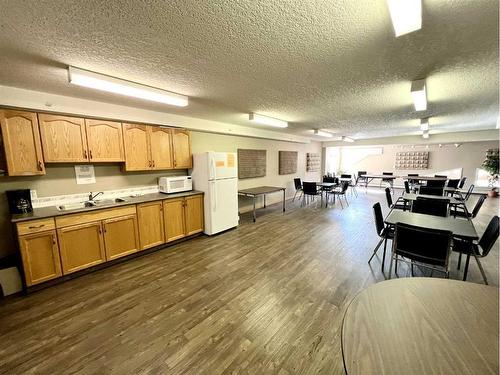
(19, 201)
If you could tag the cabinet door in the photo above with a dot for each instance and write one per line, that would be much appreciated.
(63, 139)
(194, 214)
(181, 141)
(105, 141)
(161, 147)
(150, 219)
(174, 219)
(81, 246)
(21, 139)
(136, 142)
(40, 256)
(121, 236)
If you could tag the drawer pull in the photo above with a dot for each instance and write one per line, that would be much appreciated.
(40, 166)
(36, 226)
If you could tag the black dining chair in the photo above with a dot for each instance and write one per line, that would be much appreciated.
(480, 249)
(340, 192)
(414, 183)
(384, 232)
(362, 180)
(438, 191)
(310, 190)
(400, 202)
(407, 187)
(387, 180)
(429, 248)
(453, 183)
(459, 211)
(436, 184)
(298, 187)
(462, 182)
(469, 192)
(430, 206)
(351, 184)
(330, 179)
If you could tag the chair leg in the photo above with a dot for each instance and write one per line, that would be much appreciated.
(396, 267)
(345, 197)
(390, 265)
(375, 250)
(341, 205)
(466, 268)
(383, 255)
(296, 191)
(481, 269)
(412, 274)
(459, 260)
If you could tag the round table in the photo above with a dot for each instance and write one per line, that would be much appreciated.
(422, 326)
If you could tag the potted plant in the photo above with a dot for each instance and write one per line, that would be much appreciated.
(490, 165)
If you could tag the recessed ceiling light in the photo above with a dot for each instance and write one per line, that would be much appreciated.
(419, 94)
(322, 133)
(102, 82)
(347, 139)
(424, 124)
(267, 120)
(425, 134)
(406, 15)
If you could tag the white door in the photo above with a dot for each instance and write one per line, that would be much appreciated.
(222, 165)
(221, 205)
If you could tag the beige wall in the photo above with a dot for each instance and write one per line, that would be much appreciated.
(468, 156)
(60, 179)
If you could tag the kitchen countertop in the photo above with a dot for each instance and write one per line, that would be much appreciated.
(45, 212)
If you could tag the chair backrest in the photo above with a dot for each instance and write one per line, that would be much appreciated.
(388, 197)
(345, 186)
(430, 206)
(489, 236)
(478, 205)
(387, 173)
(462, 182)
(297, 183)
(453, 183)
(379, 218)
(345, 176)
(469, 192)
(440, 175)
(407, 186)
(329, 179)
(412, 174)
(436, 183)
(309, 188)
(411, 180)
(360, 173)
(424, 245)
(438, 191)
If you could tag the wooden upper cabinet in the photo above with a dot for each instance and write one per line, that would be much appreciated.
(81, 246)
(40, 255)
(150, 220)
(194, 214)
(181, 141)
(160, 142)
(136, 142)
(105, 141)
(174, 218)
(21, 143)
(64, 139)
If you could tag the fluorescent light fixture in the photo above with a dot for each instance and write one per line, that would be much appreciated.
(347, 139)
(102, 82)
(322, 133)
(424, 124)
(406, 15)
(267, 120)
(419, 94)
(425, 134)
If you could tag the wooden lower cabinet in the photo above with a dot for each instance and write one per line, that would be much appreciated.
(174, 218)
(194, 214)
(40, 256)
(150, 220)
(121, 236)
(81, 246)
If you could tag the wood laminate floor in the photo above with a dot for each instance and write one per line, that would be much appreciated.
(264, 298)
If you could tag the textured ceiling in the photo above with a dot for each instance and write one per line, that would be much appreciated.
(318, 64)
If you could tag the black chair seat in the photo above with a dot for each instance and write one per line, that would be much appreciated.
(465, 247)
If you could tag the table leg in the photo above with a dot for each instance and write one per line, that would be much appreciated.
(284, 200)
(254, 217)
(264, 200)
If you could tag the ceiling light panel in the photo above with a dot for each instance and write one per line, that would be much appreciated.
(419, 94)
(347, 139)
(102, 82)
(264, 120)
(323, 133)
(406, 15)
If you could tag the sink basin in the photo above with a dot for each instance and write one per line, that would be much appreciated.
(75, 206)
(108, 201)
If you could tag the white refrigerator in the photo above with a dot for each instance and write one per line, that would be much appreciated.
(216, 174)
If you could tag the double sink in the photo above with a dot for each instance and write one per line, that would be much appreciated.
(92, 203)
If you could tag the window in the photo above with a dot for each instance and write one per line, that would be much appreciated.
(351, 156)
(483, 178)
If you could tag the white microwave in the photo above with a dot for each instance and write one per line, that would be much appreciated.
(175, 184)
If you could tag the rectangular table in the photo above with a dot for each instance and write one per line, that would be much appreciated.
(424, 178)
(459, 228)
(262, 190)
(413, 196)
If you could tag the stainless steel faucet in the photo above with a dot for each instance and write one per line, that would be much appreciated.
(92, 196)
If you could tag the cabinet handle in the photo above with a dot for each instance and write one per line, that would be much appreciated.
(149, 163)
(153, 163)
(100, 230)
(36, 226)
(40, 165)
(85, 154)
(54, 242)
(91, 154)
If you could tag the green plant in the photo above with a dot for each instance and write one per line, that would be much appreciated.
(490, 165)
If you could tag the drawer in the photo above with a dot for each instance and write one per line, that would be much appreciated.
(97, 215)
(35, 226)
